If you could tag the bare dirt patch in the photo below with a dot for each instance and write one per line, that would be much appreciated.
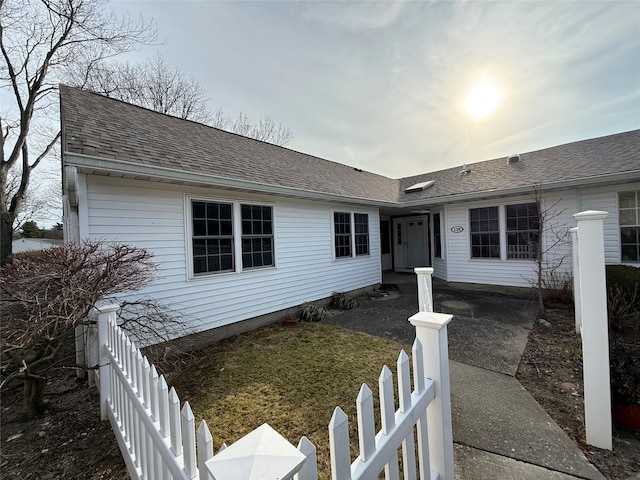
(68, 441)
(551, 370)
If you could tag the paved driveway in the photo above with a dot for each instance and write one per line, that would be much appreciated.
(488, 330)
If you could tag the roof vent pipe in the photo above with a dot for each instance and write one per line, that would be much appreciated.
(513, 159)
(465, 169)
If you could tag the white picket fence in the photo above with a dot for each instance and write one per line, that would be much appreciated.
(158, 439)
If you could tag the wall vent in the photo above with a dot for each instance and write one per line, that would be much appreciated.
(419, 187)
(513, 159)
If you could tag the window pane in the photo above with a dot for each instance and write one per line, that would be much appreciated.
(199, 228)
(199, 247)
(246, 227)
(246, 212)
(630, 253)
(226, 228)
(213, 227)
(628, 217)
(198, 209)
(627, 199)
(246, 260)
(213, 247)
(226, 262)
(212, 211)
(199, 264)
(225, 211)
(629, 234)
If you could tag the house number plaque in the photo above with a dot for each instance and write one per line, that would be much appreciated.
(457, 229)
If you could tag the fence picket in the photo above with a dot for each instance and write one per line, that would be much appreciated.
(309, 470)
(387, 419)
(153, 386)
(189, 440)
(146, 382)
(175, 429)
(163, 406)
(404, 395)
(424, 467)
(339, 446)
(205, 449)
(366, 425)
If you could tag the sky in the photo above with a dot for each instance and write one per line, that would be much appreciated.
(384, 86)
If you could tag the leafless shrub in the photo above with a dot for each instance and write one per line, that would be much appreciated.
(558, 286)
(44, 295)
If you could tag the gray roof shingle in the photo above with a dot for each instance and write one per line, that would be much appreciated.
(106, 128)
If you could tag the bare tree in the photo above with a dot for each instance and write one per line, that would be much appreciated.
(45, 294)
(157, 86)
(38, 39)
(550, 254)
(265, 130)
(154, 85)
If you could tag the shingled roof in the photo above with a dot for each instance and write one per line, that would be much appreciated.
(103, 128)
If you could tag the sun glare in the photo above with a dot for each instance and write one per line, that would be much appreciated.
(482, 98)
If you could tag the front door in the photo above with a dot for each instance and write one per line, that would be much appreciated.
(416, 246)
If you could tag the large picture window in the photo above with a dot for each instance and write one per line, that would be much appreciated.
(257, 236)
(485, 232)
(212, 240)
(629, 219)
(522, 231)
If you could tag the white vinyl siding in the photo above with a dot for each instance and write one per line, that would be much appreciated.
(153, 216)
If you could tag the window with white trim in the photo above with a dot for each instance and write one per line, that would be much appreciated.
(257, 236)
(348, 241)
(485, 232)
(214, 246)
(212, 240)
(342, 234)
(523, 224)
(361, 223)
(629, 220)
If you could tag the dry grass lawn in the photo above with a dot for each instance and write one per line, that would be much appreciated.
(289, 377)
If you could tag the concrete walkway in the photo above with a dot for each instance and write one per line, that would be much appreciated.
(499, 430)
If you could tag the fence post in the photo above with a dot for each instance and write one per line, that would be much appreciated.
(105, 313)
(576, 278)
(431, 331)
(425, 290)
(595, 328)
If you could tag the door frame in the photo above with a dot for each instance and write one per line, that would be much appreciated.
(400, 245)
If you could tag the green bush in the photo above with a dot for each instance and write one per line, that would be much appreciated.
(310, 312)
(343, 301)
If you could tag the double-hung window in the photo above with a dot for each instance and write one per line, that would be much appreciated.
(522, 231)
(629, 219)
(348, 240)
(485, 232)
(215, 226)
(212, 240)
(342, 234)
(257, 236)
(361, 221)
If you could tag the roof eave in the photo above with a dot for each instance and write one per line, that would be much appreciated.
(110, 165)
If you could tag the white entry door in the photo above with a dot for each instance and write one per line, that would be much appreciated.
(416, 246)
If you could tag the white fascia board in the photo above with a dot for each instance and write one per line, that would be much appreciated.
(109, 165)
(613, 178)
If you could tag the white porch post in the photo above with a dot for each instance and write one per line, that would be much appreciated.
(595, 333)
(105, 313)
(431, 331)
(425, 289)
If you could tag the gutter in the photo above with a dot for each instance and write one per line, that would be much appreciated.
(108, 165)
